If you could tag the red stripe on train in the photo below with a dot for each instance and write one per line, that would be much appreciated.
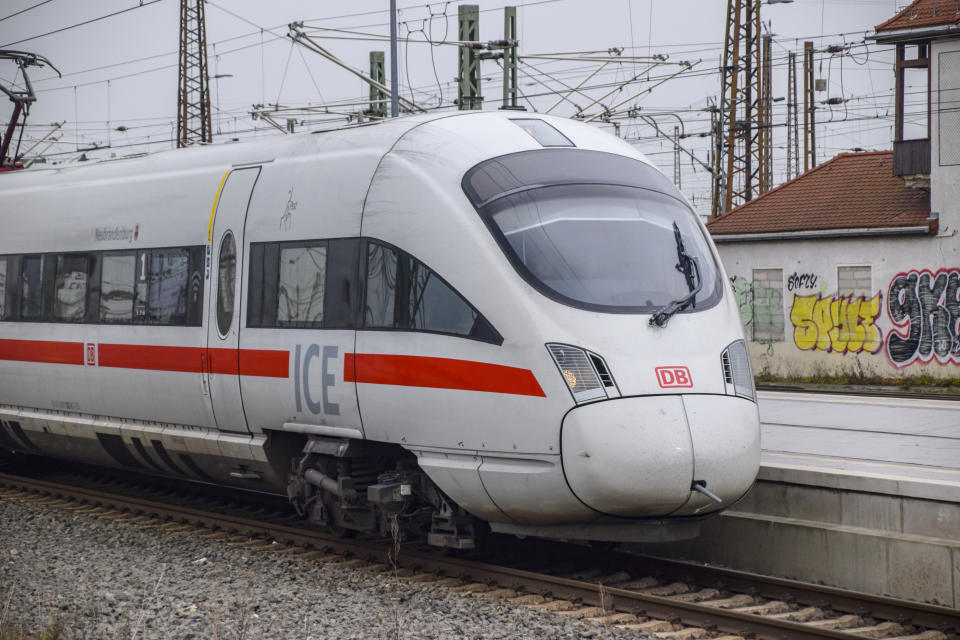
(247, 362)
(42, 351)
(439, 373)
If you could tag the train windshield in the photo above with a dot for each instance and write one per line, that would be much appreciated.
(614, 241)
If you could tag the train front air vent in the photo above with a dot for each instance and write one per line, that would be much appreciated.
(727, 369)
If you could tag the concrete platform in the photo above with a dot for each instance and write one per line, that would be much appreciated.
(857, 493)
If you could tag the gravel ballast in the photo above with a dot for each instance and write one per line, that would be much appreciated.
(99, 578)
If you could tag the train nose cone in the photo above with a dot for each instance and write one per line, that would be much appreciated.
(638, 457)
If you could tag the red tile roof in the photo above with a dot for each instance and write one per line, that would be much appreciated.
(851, 191)
(924, 13)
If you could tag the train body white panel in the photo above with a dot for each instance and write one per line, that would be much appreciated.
(472, 292)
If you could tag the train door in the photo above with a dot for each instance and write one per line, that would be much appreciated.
(222, 365)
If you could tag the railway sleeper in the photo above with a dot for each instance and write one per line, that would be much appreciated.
(349, 486)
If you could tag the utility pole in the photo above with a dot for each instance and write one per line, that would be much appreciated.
(394, 81)
(766, 121)
(378, 97)
(739, 153)
(468, 87)
(676, 157)
(809, 108)
(793, 129)
(193, 110)
(510, 58)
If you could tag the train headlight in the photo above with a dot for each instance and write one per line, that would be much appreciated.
(736, 371)
(586, 374)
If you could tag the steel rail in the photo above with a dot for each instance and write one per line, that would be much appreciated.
(588, 593)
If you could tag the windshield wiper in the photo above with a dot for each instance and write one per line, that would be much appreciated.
(687, 265)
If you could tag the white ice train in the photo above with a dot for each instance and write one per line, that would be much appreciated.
(492, 317)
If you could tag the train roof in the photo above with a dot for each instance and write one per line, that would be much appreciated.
(373, 137)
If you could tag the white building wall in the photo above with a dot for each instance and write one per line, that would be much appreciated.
(905, 326)
(945, 133)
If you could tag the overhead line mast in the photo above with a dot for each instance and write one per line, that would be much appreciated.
(194, 123)
(739, 156)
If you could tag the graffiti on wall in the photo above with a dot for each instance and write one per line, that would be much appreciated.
(797, 281)
(837, 324)
(924, 307)
(743, 293)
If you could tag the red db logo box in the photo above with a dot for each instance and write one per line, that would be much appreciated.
(673, 377)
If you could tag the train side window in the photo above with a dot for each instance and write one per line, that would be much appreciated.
(118, 274)
(381, 287)
(70, 288)
(226, 283)
(403, 293)
(262, 292)
(343, 293)
(9, 291)
(302, 285)
(31, 288)
(168, 286)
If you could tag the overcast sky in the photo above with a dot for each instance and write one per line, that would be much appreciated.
(121, 71)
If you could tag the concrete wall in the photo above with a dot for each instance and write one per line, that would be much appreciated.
(896, 313)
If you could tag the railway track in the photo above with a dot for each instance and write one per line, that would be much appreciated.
(665, 598)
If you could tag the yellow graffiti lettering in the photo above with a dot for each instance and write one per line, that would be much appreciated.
(805, 333)
(836, 323)
(821, 316)
(869, 310)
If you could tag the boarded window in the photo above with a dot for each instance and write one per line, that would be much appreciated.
(767, 305)
(948, 107)
(855, 281)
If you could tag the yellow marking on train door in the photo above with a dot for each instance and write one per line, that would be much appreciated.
(216, 200)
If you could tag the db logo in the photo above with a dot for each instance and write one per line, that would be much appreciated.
(668, 377)
(91, 354)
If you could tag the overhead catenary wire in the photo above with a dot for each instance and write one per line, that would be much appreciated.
(31, 7)
(146, 3)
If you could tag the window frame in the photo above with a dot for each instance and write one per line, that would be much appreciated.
(263, 290)
(495, 338)
(657, 183)
(194, 312)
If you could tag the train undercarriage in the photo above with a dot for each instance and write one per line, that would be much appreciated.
(353, 486)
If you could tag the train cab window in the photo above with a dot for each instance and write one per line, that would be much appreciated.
(596, 231)
(70, 288)
(118, 273)
(300, 293)
(226, 283)
(31, 287)
(403, 293)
